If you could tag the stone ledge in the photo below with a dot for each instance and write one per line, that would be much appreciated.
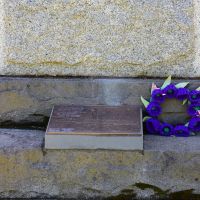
(22, 139)
(30, 100)
(27, 170)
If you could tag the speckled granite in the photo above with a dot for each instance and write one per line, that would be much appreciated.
(167, 165)
(100, 38)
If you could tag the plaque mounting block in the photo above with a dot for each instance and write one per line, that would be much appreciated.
(95, 127)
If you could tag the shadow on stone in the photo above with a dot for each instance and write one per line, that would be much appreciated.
(26, 124)
(159, 194)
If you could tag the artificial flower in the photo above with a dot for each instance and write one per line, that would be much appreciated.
(194, 124)
(194, 96)
(170, 91)
(154, 109)
(166, 129)
(158, 96)
(153, 125)
(182, 94)
(193, 109)
(181, 131)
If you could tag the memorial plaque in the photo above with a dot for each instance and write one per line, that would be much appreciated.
(91, 127)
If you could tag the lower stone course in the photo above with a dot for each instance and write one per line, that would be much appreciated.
(165, 167)
(30, 100)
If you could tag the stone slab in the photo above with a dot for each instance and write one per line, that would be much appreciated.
(27, 170)
(100, 38)
(30, 100)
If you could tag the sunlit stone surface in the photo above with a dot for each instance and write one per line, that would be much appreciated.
(100, 38)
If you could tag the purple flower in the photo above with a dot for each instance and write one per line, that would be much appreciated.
(157, 96)
(182, 94)
(181, 131)
(193, 108)
(194, 96)
(154, 109)
(194, 124)
(166, 129)
(153, 125)
(170, 91)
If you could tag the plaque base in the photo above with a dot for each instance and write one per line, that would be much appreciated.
(93, 142)
(95, 127)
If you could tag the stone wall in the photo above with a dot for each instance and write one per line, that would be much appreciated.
(100, 38)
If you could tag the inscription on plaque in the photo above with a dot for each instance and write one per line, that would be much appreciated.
(95, 120)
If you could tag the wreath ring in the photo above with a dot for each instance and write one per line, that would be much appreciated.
(154, 109)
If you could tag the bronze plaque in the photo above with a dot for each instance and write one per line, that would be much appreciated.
(95, 120)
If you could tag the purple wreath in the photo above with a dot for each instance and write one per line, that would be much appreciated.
(154, 109)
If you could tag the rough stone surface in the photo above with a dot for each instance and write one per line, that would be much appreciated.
(29, 100)
(2, 32)
(27, 170)
(100, 38)
(197, 34)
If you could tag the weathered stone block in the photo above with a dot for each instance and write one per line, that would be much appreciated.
(29, 100)
(99, 38)
(26, 170)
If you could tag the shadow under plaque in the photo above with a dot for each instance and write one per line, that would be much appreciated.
(95, 127)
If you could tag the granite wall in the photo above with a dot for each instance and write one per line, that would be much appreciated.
(120, 38)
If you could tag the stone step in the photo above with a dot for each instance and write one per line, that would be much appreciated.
(27, 170)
